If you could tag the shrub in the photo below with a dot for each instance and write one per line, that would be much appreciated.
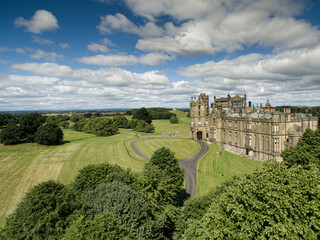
(174, 119)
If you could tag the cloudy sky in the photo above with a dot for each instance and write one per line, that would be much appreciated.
(96, 54)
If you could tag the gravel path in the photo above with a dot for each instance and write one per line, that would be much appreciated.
(188, 164)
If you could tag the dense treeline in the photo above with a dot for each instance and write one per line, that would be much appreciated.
(30, 128)
(103, 202)
(155, 113)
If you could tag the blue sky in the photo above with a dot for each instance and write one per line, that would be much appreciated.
(95, 54)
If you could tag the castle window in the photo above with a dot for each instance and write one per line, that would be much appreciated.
(249, 125)
(236, 138)
(249, 140)
(267, 144)
(214, 134)
(199, 110)
(199, 121)
(276, 128)
(206, 121)
(230, 124)
(236, 125)
(276, 145)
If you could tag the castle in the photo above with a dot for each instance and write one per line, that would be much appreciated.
(257, 132)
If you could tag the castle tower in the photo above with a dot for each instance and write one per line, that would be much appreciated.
(199, 113)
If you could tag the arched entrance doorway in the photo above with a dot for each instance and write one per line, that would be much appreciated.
(199, 135)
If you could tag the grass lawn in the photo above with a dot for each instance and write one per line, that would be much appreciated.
(165, 125)
(214, 170)
(182, 148)
(25, 165)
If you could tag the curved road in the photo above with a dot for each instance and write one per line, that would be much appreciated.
(188, 164)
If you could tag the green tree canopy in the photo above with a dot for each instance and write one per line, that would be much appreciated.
(74, 118)
(49, 134)
(29, 124)
(275, 202)
(127, 205)
(307, 150)
(92, 175)
(174, 120)
(44, 213)
(11, 134)
(142, 114)
(103, 227)
(121, 121)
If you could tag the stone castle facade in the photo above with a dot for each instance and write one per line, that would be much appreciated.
(256, 132)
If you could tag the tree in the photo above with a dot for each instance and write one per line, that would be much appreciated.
(49, 134)
(149, 128)
(29, 124)
(74, 118)
(307, 150)
(104, 127)
(11, 134)
(7, 118)
(133, 123)
(78, 126)
(121, 121)
(140, 126)
(174, 119)
(92, 175)
(104, 226)
(142, 114)
(127, 205)
(44, 213)
(275, 202)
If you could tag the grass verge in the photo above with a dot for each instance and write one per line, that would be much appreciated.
(213, 170)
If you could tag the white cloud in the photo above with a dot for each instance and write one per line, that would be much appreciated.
(41, 41)
(95, 47)
(152, 59)
(64, 45)
(41, 21)
(104, 76)
(209, 26)
(119, 22)
(26, 81)
(48, 56)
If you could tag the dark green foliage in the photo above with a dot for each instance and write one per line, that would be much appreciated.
(58, 118)
(174, 120)
(11, 134)
(133, 123)
(78, 126)
(49, 134)
(74, 118)
(140, 126)
(100, 127)
(160, 113)
(275, 202)
(104, 127)
(121, 121)
(104, 227)
(64, 124)
(188, 114)
(29, 124)
(307, 150)
(87, 115)
(127, 205)
(7, 118)
(149, 128)
(92, 175)
(44, 213)
(142, 114)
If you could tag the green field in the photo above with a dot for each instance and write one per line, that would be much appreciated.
(214, 170)
(25, 165)
(182, 148)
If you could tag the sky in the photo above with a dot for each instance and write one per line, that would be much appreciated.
(101, 54)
